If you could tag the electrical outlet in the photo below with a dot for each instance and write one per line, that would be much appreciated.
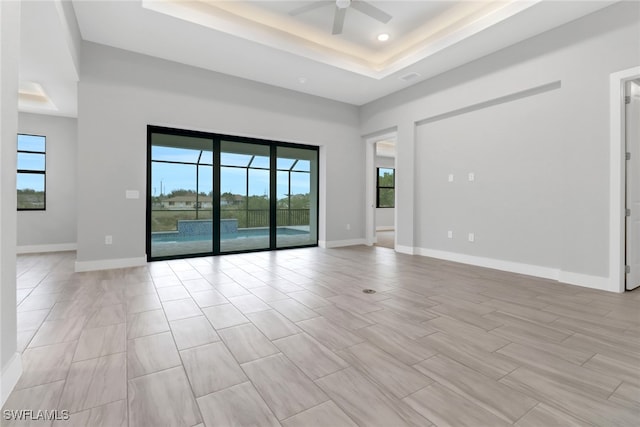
(450, 234)
(472, 176)
(472, 237)
(108, 240)
(450, 177)
(348, 226)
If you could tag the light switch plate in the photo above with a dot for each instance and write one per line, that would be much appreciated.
(450, 234)
(132, 194)
(472, 176)
(472, 237)
(450, 177)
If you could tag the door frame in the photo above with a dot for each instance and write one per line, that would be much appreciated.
(216, 139)
(618, 173)
(370, 184)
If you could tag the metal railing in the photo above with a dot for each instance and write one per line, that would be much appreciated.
(250, 218)
(166, 219)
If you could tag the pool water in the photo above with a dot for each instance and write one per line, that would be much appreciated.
(243, 233)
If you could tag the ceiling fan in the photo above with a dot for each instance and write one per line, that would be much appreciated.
(341, 9)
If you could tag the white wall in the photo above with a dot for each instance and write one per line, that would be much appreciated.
(385, 216)
(54, 228)
(540, 201)
(120, 93)
(10, 362)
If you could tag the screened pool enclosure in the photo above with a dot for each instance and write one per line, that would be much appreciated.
(210, 194)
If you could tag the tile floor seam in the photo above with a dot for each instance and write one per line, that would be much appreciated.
(589, 359)
(615, 390)
(296, 366)
(66, 380)
(193, 394)
(96, 406)
(244, 372)
(126, 370)
(527, 412)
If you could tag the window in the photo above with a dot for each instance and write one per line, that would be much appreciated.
(31, 179)
(386, 192)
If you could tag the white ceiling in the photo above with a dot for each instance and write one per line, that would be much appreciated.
(48, 75)
(260, 41)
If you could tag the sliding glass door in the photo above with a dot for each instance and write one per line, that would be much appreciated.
(181, 196)
(297, 198)
(244, 196)
(211, 194)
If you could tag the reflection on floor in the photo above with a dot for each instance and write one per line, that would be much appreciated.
(162, 249)
(386, 239)
(289, 338)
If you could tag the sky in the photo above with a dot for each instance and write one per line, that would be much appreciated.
(31, 161)
(167, 177)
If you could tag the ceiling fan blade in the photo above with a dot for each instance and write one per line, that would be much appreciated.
(309, 6)
(338, 20)
(370, 10)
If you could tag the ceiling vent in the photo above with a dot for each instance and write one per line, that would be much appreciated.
(410, 76)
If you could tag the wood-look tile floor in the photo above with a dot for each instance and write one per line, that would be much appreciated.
(386, 238)
(289, 338)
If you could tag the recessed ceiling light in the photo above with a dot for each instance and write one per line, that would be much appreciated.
(383, 37)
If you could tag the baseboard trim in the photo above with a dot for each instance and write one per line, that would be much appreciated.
(328, 244)
(409, 250)
(109, 264)
(497, 264)
(57, 247)
(584, 280)
(9, 377)
(385, 228)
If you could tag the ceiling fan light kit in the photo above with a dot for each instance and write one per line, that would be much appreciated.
(341, 9)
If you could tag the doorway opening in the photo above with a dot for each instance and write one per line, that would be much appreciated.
(618, 266)
(385, 156)
(632, 184)
(380, 185)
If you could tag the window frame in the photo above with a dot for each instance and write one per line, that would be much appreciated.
(42, 172)
(384, 187)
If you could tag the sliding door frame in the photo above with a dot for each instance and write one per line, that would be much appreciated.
(216, 210)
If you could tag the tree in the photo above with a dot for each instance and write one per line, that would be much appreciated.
(181, 192)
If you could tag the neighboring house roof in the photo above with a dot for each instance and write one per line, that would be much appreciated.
(188, 199)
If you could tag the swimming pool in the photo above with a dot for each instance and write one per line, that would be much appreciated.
(242, 233)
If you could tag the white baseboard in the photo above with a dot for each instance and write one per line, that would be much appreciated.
(109, 264)
(341, 243)
(405, 250)
(584, 280)
(385, 228)
(57, 247)
(497, 264)
(9, 377)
